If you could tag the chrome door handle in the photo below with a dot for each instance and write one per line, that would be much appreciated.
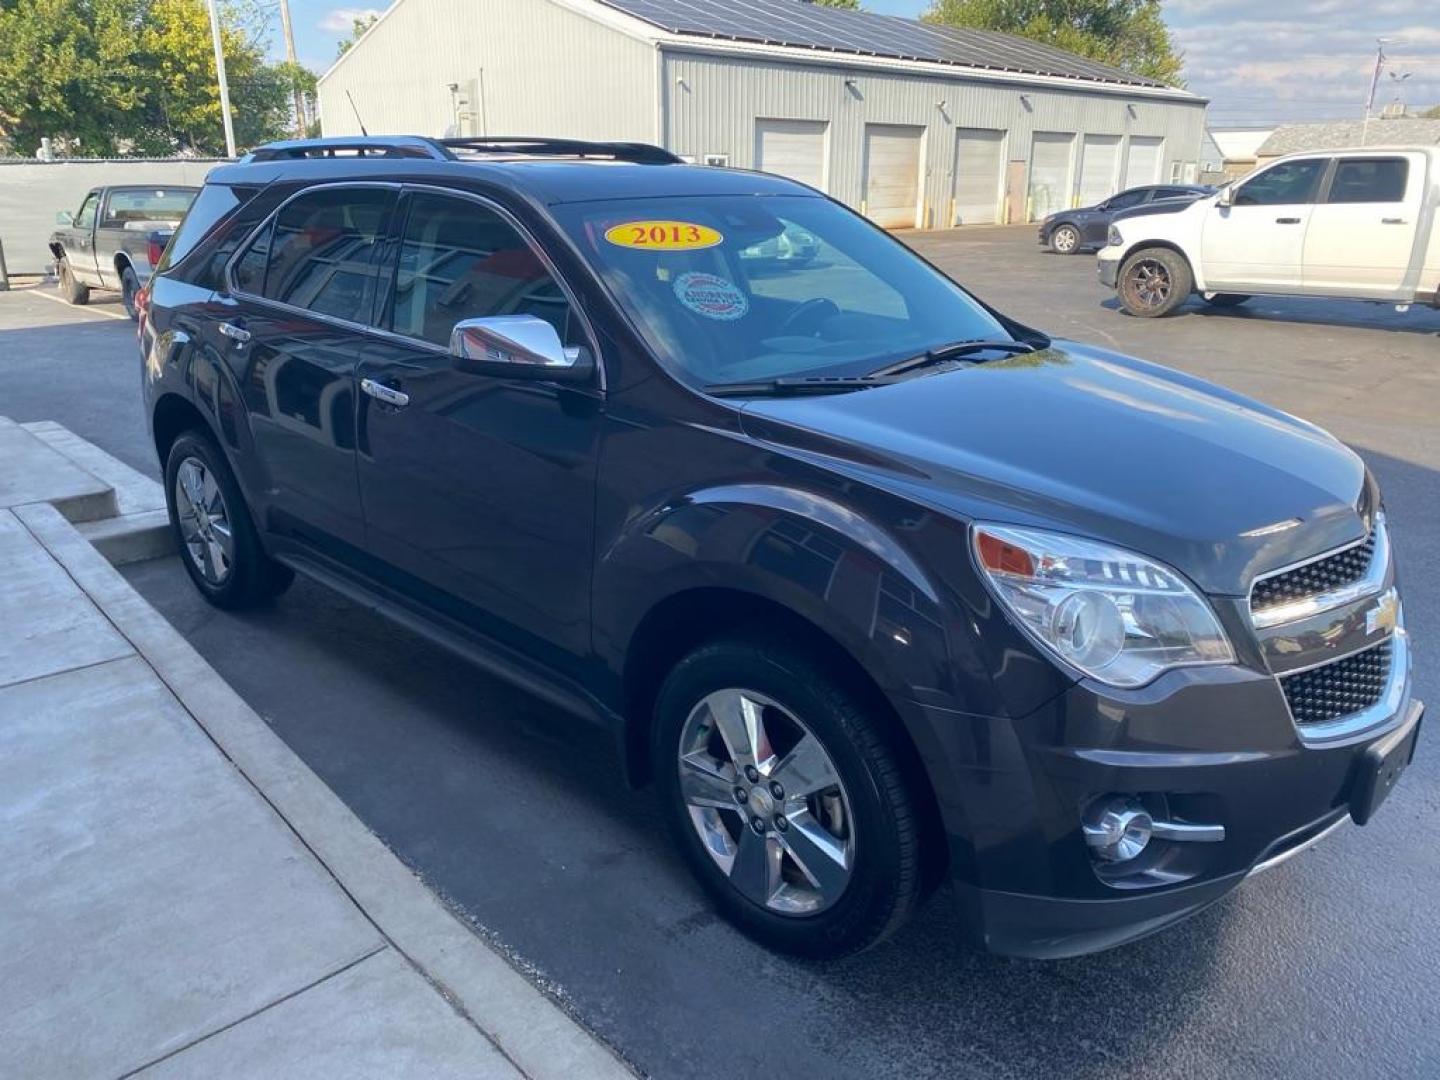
(387, 394)
(1287, 221)
(237, 334)
(1392, 221)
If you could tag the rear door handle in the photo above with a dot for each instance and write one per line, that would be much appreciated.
(388, 394)
(235, 332)
(1287, 221)
(1392, 221)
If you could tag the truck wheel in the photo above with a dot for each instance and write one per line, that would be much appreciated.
(129, 286)
(1154, 282)
(1227, 299)
(214, 530)
(785, 798)
(70, 289)
(1065, 240)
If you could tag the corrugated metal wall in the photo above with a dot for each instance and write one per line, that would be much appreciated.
(712, 103)
(523, 67)
(32, 192)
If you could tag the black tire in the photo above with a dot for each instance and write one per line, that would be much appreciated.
(1065, 240)
(886, 881)
(72, 291)
(251, 576)
(1227, 299)
(1154, 282)
(129, 286)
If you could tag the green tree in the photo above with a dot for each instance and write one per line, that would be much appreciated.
(358, 26)
(1127, 34)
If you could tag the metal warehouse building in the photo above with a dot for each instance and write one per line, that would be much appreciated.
(915, 125)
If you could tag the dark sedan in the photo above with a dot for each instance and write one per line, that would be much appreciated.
(1071, 231)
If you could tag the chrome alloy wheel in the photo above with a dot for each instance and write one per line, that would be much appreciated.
(1150, 283)
(204, 521)
(766, 802)
(1065, 239)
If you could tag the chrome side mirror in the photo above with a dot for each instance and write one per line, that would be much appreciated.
(517, 347)
(64, 217)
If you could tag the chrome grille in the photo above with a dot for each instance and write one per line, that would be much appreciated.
(1338, 689)
(1321, 576)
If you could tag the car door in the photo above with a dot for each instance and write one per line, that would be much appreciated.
(78, 240)
(479, 490)
(1097, 227)
(1258, 240)
(302, 295)
(1361, 239)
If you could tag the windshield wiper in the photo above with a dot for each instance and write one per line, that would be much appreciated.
(792, 384)
(940, 353)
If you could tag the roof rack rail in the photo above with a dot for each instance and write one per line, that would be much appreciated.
(392, 146)
(643, 153)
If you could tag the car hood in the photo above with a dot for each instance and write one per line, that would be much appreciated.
(1091, 442)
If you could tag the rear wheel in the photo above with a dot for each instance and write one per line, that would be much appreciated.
(1226, 299)
(1154, 282)
(1065, 240)
(786, 799)
(129, 287)
(70, 289)
(216, 535)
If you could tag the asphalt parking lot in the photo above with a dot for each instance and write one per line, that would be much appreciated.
(519, 817)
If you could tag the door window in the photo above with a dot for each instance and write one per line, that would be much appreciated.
(86, 217)
(1369, 180)
(461, 260)
(319, 253)
(1285, 184)
(1127, 199)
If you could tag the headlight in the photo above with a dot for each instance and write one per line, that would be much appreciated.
(1113, 238)
(1103, 611)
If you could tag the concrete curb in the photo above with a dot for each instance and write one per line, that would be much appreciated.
(534, 1033)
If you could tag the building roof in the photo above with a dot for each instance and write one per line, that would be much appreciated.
(1240, 144)
(1348, 134)
(799, 25)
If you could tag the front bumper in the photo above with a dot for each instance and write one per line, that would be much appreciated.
(1206, 746)
(1107, 266)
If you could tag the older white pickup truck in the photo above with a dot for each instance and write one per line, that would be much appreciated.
(1349, 224)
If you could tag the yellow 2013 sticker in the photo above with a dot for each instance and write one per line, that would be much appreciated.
(663, 236)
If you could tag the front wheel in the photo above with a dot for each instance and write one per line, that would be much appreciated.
(1154, 282)
(1065, 240)
(73, 291)
(786, 799)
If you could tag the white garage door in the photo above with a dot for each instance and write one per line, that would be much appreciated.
(1050, 172)
(892, 174)
(1143, 164)
(1099, 168)
(978, 153)
(793, 148)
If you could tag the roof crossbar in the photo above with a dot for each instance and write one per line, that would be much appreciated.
(391, 146)
(643, 153)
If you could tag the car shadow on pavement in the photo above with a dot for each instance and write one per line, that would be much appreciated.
(1311, 311)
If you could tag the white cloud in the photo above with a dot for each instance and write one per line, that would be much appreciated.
(342, 20)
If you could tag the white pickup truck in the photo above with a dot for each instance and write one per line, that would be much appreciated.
(1349, 224)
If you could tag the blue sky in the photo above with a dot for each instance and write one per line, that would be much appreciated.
(1258, 63)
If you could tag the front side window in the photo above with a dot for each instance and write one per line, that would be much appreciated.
(1288, 183)
(461, 260)
(1127, 199)
(734, 288)
(320, 253)
(1369, 180)
(86, 217)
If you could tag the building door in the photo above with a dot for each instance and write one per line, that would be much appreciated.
(1050, 172)
(892, 175)
(1143, 164)
(978, 153)
(793, 148)
(1099, 168)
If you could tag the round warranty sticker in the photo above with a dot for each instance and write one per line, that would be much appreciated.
(711, 296)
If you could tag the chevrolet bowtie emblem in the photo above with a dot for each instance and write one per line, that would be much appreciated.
(1385, 615)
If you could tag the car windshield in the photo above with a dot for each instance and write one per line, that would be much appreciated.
(746, 288)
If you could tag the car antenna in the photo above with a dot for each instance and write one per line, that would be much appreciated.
(357, 115)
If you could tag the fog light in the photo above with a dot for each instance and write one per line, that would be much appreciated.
(1117, 829)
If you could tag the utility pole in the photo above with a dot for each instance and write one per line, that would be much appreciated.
(1375, 79)
(224, 86)
(290, 56)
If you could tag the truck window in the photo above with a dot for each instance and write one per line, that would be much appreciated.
(147, 204)
(1369, 180)
(1283, 185)
(86, 217)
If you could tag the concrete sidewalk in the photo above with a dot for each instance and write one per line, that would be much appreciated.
(179, 894)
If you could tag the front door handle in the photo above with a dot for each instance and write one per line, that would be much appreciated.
(1287, 221)
(388, 394)
(1392, 221)
(235, 333)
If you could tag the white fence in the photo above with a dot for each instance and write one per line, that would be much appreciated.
(32, 192)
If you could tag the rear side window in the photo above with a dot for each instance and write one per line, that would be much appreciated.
(460, 260)
(1369, 180)
(320, 253)
(1283, 185)
(213, 203)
